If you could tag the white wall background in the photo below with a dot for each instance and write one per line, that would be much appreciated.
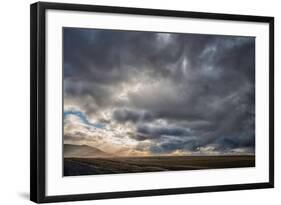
(14, 101)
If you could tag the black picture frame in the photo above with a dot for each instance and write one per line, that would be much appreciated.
(38, 101)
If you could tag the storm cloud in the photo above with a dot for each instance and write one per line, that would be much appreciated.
(159, 93)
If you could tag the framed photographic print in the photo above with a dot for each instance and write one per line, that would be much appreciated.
(129, 102)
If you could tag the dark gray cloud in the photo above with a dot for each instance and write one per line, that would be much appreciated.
(170, 146)
(200, 87)
(125, 115)
(163, 130)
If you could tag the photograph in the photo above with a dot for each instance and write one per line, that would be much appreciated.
(136, 102)
(150, 101)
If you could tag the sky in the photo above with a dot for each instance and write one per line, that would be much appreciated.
(135, 93)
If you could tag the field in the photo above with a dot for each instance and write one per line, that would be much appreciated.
(117, 165)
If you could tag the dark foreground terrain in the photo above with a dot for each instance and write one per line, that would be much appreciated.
(117, 165)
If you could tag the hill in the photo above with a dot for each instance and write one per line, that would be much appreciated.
(71, 150)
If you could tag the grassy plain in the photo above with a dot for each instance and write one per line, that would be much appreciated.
(117, 165)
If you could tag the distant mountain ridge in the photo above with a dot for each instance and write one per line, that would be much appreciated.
(71, 150)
